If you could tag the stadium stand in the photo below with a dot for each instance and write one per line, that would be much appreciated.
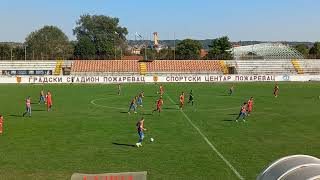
(143, 68)
(134, 58)
(297, 66)
(270, 51)
(309, 66)
(58, 68)
(295, 167)
(224, 67)
(27, 65)
(281, 66)
(129, 67)
(185, 66)
(134, 67)
(99, 67)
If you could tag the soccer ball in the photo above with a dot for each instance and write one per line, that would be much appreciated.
(151, 139)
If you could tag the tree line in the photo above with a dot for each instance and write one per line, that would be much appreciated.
(101, 37)
(310, 53)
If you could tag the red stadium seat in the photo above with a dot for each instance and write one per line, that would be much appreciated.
(157, 66)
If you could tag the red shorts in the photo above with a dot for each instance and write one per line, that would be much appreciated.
(0, 128)
(158, 107)
(49, 104)
(249, 108)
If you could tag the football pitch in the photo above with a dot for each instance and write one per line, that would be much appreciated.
(90, 131)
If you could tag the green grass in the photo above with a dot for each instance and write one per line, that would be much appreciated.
(78, 136)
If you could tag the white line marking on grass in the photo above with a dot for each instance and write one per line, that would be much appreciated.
(110, 107)
(93, 102)
(209, 143)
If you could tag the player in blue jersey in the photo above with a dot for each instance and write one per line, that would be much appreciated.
(140, 128)
(139, 99)
(133, 106)
(243, 112)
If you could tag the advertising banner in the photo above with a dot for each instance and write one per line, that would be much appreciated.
(208, 78)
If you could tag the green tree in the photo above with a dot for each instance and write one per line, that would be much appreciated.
(49, 42)
(151, 53)
(5, 52)
(303, 49)
(188, 49)
(101, 32)
(218, 49)
(84, 49)
(315, 51)
(18, 53)
(165, 54)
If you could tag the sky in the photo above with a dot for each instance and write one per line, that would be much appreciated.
(265, 20)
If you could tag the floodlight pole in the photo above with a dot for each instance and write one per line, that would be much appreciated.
(145, 50)
(174, 46)
(115, 46)
(115, 56)
(25, 52)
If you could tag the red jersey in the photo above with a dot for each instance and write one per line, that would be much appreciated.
(181, 98)
(250, 103)
(49, 100)
(159, 102)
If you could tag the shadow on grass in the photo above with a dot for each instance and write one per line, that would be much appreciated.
(169, 108)
(228, 120)
(123, 144)
(14, 115)
(38, 110)
(124, 112)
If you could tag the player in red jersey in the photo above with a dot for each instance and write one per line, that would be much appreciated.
(161, 90)
(276, 90)
(49, 101)
(181, 100)
(159, 104)
(1, 124)
(250, 105)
